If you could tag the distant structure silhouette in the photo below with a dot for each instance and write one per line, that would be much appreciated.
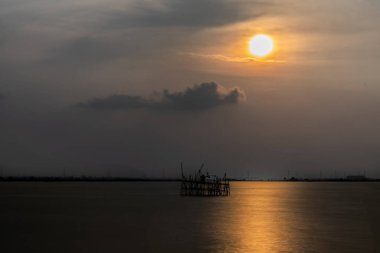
(356, 178)
(204, 185)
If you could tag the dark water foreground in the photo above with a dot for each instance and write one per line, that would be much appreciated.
(152, 217)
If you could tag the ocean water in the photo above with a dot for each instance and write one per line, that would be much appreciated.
(152, 217)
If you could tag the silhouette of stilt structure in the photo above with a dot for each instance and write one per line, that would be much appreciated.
(204, 185)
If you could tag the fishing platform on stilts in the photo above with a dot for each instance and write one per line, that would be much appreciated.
(204, 185)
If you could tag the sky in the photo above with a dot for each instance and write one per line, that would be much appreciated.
(134, 87)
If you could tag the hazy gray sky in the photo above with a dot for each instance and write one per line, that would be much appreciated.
(137, 86)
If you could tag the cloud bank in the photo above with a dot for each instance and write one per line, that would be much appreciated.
(199, 97)
(196, 13)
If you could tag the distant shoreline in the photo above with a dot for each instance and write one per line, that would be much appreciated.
(83, 179)
(127, 179)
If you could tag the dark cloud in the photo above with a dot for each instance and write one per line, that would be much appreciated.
(203, 96)
(199, 97)
(196, 13)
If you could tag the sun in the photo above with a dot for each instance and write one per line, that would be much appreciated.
(261, 45)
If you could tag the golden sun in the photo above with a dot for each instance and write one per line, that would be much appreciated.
(261, 45)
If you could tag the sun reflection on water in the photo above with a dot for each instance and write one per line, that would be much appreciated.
(258, 221)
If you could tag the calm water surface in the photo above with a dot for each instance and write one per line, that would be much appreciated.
(152, 217)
